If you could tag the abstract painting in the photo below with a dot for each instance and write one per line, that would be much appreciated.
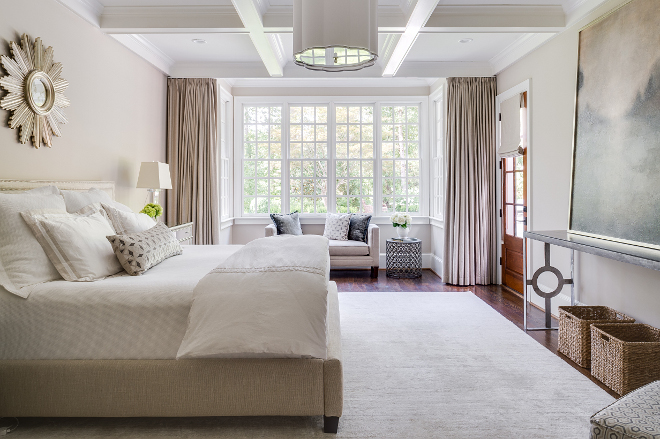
(615, 190)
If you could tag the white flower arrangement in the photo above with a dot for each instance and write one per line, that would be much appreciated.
(400, 219)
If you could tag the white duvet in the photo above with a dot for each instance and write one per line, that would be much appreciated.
(269, 299)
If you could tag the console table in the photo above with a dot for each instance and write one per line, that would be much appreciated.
(631, 254)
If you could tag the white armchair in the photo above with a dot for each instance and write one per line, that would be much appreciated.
(344, 254)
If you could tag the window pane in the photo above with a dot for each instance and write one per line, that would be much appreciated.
(262, 159)
(520, 221)
(354, 130)
(509, 226)
(311, 127)
(401, 188)
(519, 188)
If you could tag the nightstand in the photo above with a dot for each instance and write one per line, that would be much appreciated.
(403, 258)
(184, 233)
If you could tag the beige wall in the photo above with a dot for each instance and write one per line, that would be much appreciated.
(553, 69)
(118, 104)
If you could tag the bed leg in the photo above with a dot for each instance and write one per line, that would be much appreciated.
(330, 424)
(374, 272)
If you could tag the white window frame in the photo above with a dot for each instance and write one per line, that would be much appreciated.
(332, 101)
(438, 126)
(225, 142)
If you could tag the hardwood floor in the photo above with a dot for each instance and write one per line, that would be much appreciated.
(504, 301)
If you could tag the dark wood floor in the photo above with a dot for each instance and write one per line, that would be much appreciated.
(504, 301)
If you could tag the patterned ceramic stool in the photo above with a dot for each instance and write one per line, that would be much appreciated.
(635, 416)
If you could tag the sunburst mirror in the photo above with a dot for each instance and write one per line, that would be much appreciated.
(36, 91)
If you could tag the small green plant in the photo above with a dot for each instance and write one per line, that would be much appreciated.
(153, 210)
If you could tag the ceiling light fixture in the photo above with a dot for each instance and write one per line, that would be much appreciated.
(199, 41)
(335, 35)
(465, 40)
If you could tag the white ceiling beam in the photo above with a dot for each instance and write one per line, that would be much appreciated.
(171, 19)
(418, 18)
(219, 19)
(146, 50)
(500, 18)
(251, 16)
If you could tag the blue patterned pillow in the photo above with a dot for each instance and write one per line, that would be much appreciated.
(287, 224)
(358, 230)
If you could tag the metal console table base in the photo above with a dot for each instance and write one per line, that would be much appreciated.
(533, 282)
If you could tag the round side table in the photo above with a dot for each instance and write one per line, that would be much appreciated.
(404, 258)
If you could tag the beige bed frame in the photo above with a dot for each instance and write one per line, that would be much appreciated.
(161, 388)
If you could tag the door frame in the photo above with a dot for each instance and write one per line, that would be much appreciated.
(524, 86)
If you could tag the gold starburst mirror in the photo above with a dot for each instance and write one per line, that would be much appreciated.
(36, 91)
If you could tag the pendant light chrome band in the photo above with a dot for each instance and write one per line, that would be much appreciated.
(335, 35)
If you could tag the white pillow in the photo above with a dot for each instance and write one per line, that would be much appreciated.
(76, 244)
(337, 225)
(76, 200)
(126, 223)
(22, 260)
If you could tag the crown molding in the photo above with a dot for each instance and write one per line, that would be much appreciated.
(333, 83)
(89, 10)
(518, 49)
(146, 50)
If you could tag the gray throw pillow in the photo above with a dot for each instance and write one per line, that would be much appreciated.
(287, 224)
(140, 251)
(358, 230)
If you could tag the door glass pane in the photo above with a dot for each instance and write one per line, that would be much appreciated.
(510, 229)
(508, 164)
(519, 188)
(508, 187)
(519, 163)
(520, 221)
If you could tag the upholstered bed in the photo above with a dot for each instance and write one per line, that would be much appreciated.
(108, 349)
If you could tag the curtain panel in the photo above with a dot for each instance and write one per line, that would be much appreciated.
(192, 153)
(470, 251)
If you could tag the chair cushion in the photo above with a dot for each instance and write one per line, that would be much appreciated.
(348, 248)
(636, 415)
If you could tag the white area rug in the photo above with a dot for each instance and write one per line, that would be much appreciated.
(416, 365)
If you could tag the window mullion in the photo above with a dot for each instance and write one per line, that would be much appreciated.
(285, 158)
(332, 145)
(378, 158)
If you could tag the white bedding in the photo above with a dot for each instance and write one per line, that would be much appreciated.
(122, 317)
(270, 299)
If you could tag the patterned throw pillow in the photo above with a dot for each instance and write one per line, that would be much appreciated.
(287, 224)
(359, 228)
(140, 251)
(336, 226)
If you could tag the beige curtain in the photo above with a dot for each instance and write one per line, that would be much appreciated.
(192, 153)
(470, 250)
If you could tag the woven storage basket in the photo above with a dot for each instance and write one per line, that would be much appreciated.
(625, 356)
(575, 329)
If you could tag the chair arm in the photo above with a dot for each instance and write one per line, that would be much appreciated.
(270, 230)
(373, 240)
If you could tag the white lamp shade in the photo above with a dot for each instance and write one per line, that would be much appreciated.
(335, 35)
(154, 175)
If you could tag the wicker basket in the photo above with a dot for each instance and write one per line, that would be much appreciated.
(575, 329)
(625, 356)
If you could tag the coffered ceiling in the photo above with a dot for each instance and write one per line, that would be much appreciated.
(423, 39)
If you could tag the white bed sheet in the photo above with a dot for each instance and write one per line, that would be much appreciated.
(122, 317)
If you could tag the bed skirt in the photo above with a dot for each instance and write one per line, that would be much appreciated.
(200, 387)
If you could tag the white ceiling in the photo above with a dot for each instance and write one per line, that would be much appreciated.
(218, 47)
(446, 47)
(253, 38)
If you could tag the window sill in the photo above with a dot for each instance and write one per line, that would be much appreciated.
(379, 220)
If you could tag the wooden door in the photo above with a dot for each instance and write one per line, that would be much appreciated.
(514, 214)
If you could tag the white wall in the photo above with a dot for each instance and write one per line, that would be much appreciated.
(118, 104)
(552, 69)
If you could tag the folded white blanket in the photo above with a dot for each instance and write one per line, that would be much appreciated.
(269, 299)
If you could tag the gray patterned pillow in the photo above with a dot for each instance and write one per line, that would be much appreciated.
(359, 227)
(287, 224)
(140, 251)
(336, 226)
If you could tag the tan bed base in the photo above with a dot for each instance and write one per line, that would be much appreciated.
(213, 387)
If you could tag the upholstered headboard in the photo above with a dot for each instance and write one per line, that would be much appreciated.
(9, 186)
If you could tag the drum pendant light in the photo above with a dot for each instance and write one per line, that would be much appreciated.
(335, 35)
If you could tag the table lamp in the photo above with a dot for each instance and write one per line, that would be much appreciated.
(154, 176)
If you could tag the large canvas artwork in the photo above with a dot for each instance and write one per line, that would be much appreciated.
(615, 192)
